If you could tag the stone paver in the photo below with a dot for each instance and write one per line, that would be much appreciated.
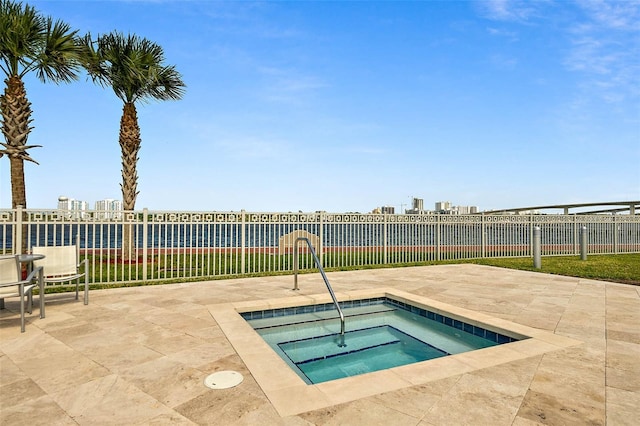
(139, 355)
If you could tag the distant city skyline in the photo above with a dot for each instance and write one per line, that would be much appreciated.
(345, 106)
(110, 208)
(109, 204)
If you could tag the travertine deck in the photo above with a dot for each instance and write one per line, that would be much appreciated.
(140, 355)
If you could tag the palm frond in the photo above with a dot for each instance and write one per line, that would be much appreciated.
(92, 61)
(133, 67)
(60, 58)
(22, 31)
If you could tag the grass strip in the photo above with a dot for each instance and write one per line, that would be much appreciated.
(622, 268)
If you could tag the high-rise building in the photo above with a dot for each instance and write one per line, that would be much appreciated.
(443, 206)
(108, 209)
(467, 209)
(388, 210)
(417, 207)
(63, 203)
(75, 208)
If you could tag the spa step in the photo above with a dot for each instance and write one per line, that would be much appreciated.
(328, 346)
(322, 316)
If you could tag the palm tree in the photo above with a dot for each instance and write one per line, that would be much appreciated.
(133, 67)
(29, 42)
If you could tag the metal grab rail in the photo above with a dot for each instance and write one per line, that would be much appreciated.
(324, 277)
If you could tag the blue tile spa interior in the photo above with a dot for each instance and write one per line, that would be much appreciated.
(380, 333)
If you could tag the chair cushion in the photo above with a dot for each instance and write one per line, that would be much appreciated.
(61, 260)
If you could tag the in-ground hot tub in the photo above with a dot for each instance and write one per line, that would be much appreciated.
(380, 333)
(291, 394)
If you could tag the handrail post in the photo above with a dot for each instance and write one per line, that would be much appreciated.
(324, 277)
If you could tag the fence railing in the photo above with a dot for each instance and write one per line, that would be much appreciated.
(175, 245)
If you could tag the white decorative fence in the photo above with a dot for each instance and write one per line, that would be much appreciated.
(184, 245)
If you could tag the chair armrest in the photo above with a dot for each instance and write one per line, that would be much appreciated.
(11, 284)
(85, 261)
(29, 279)
(33, 273)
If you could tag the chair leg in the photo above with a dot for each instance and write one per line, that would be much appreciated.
(41, 292)
(30, 302)
(77, 285)
(22, 308)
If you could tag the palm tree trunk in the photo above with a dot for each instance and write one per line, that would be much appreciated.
(16, 117)
(18, 191)
(129, 145)
(19, 197)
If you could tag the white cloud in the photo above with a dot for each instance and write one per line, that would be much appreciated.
(498, 32)
(288, 86)
(606, 49)
(509, 10)
(618, 15)
(603, 35)
(590, 54)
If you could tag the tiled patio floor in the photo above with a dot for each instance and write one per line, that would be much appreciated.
(139, 355)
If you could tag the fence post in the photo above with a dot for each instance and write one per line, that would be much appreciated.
(243, 247)
(320, 238)
(576, 235)
(17, 241)
(145, 242)
(438, 236)
(483, 237)
(385, 243)
(583, 243)
(537, 263)
(615, 235)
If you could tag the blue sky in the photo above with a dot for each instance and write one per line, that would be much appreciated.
(347, 106)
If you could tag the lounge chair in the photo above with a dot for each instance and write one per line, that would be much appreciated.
(11, 285)
(61, 264)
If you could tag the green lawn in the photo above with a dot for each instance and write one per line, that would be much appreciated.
(623, 268)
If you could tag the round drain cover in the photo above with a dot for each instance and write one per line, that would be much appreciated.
(223, 380)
